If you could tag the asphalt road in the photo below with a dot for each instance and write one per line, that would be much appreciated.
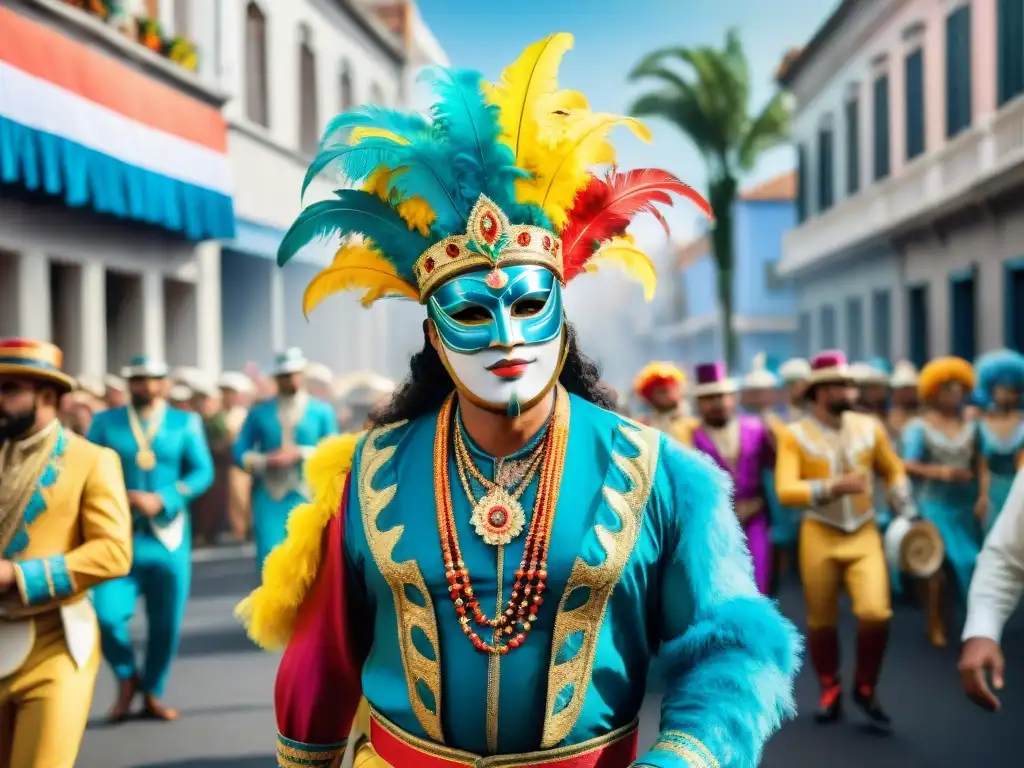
(223, 687)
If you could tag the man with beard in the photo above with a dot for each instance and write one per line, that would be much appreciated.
(742, 446)
(661, 386)
(827, 464)
(277, 437)
(166, 465)
(493, 564)
(64, 528)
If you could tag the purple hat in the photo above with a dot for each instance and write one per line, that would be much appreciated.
(830, 367)
(712, 379)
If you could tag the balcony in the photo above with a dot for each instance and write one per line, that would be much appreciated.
(980, 162)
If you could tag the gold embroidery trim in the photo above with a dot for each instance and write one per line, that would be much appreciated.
(418, 668)
(494, 664)
(601, 580)
(691, 743)
(292, 753)
(521, 760)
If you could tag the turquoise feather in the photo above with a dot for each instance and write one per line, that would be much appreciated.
(36, 505)
(357, 212)
(404, 124)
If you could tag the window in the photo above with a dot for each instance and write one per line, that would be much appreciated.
(828, 328)
(853, 146)
(1010, 52)
(881, 134)
(917, 325)
(958, 70)
(801, 184)
(309, 119)
(803, 335)
(182, 20)
(256, 107)
(377, 95)
(346, 94)
(914, 72)
(772, 282)
(855, 328)
(881, 312)
(826, 169)
(962, 316)
(1013, 304)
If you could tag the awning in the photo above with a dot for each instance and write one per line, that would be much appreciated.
(78, 124)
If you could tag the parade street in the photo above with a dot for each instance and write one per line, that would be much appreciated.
(223, 686)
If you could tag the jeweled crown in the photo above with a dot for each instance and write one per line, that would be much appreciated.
(490, 242)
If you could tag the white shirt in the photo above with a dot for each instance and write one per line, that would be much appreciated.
(999, 574)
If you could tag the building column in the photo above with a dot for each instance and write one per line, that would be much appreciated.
(277, 325)
(93, 317)
(34, 315)
(208, 312)
(153, 337)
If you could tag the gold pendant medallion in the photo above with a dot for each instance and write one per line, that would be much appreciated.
(145, 460)
(498, 518)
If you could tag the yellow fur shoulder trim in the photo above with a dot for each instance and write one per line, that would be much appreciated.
(269, 613)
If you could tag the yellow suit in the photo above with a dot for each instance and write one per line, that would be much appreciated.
(66, 525)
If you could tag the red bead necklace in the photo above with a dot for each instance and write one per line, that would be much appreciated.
(531, 576)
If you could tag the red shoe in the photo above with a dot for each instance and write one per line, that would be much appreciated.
(830, 702)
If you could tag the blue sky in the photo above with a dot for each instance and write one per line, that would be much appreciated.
(611, 36)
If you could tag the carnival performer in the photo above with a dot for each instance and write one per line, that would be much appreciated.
(1000, 376)
(794, 374)
(237, 391)
(277, 437)
(742, 446)
(996, 588)
(941, 452)
(662, 387)
(904, 404)
(827, 464)
(594, 540)
(762, 391)
(166, 464)
(64, 528)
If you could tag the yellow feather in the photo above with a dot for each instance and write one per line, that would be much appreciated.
(415, 211)
(523, 85)
(622, 252)
(357, 266)
(269, 613)
(364, 132)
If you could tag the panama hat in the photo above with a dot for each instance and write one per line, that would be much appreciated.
(830, 368)
(34, 359)
(144, 367)
(290, 361)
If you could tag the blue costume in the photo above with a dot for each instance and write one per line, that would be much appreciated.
(170, 459)
(950, 506)
(300, 421)
(1005, 368)
(506, 606)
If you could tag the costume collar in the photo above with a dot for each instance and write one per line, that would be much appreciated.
(19, 449)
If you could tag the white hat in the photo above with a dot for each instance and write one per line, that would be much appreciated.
(205, 386)
(320, 373)
(91, 385)
(116, 383)
(795, 369)
(290, 361)
(144, 367)
(904, 374)
(760, 377)
(181, 393)
(237, 382)
(865, 373)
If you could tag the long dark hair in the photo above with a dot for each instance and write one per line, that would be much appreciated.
(428, 383)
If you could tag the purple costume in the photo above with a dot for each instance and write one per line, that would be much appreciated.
(755, 455)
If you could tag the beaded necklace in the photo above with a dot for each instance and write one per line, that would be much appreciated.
(526, 597)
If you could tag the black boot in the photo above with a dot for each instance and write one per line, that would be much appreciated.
(867, 700)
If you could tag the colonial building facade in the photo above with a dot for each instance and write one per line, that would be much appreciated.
(909, 129)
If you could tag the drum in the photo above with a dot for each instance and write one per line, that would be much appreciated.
(914, 547)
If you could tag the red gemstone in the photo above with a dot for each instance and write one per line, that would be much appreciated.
(452, 250)
(515, 642)
(523, 239)
(489, 226)
(429, 264)
(547, 243)
(497, 517)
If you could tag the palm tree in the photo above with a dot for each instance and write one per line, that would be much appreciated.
(710, 103)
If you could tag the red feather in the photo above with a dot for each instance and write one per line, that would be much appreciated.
(605, 207)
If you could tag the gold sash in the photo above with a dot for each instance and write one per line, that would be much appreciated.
(21, 465)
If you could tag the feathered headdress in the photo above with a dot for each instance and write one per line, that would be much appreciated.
(943, 370)
(657, 374)
(499, 174)
(1001, 367)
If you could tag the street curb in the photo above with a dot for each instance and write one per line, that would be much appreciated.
(224, 553)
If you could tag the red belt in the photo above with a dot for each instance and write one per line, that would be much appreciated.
(402, 750)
